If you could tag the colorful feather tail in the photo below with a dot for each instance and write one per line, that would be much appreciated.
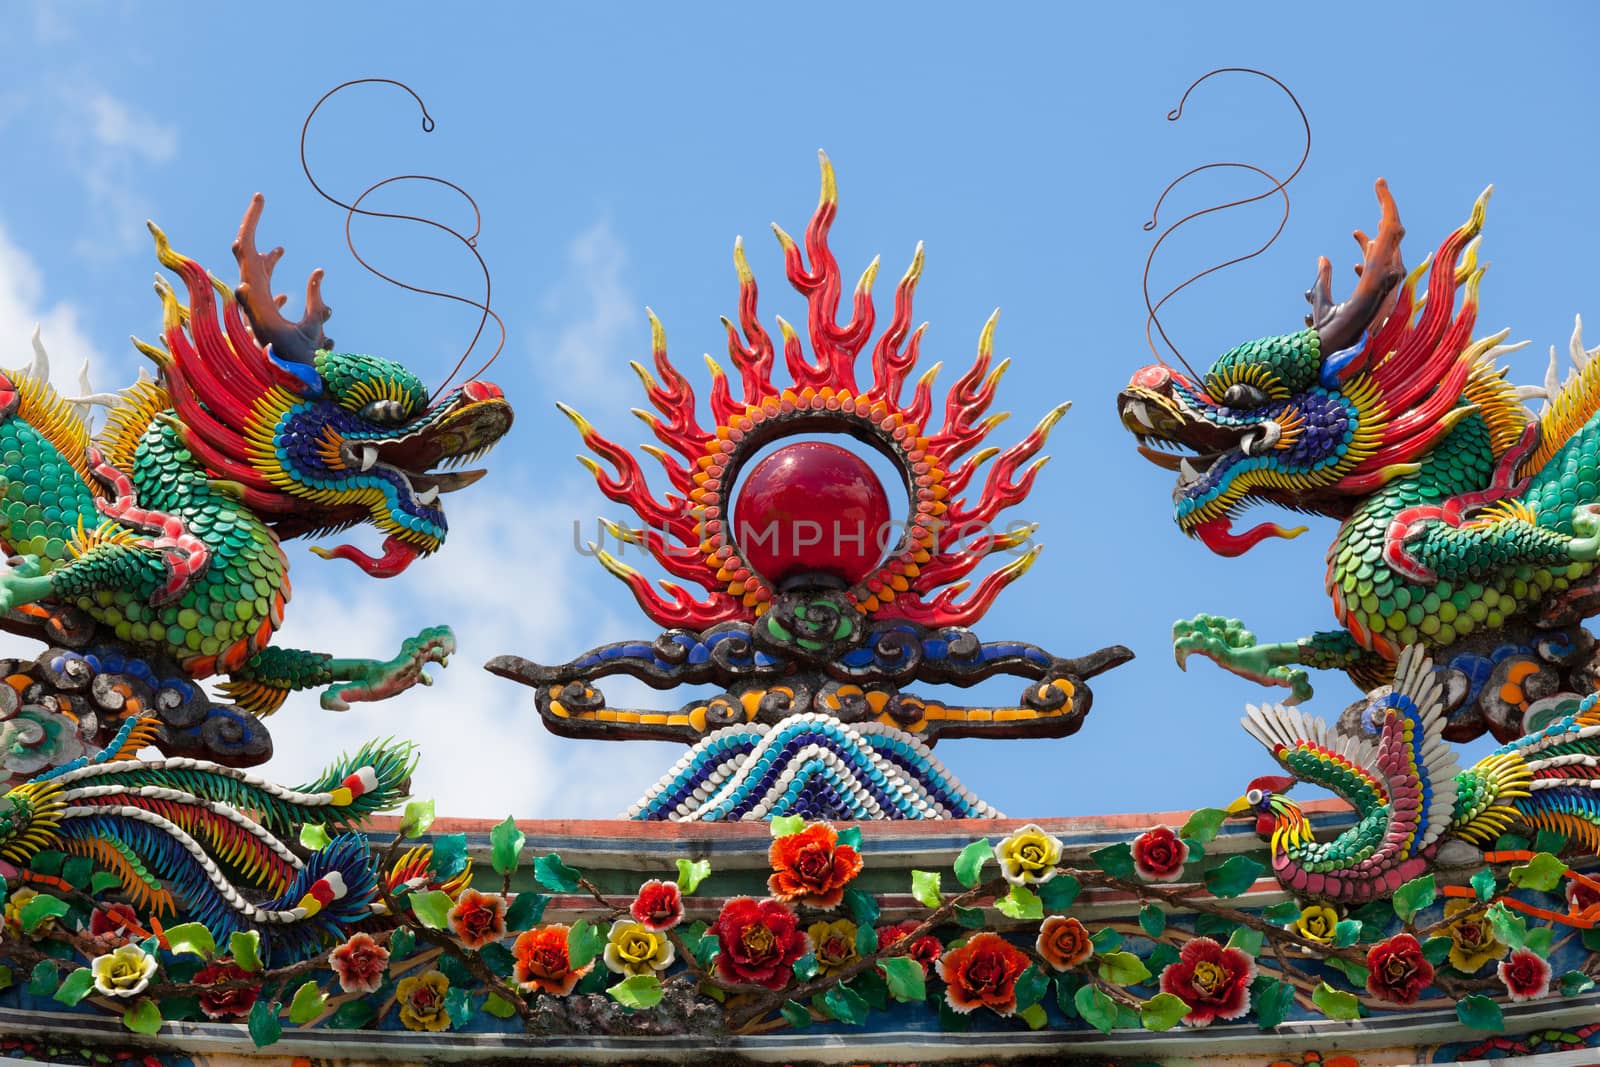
(1545, 781)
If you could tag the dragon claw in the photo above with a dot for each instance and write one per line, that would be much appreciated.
(1585, 545)
(1227, 643)
(380, 679)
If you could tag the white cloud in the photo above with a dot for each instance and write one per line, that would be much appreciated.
(593, 315)
(507, 581)
(23, 306)
(110, 147)
(118, 129)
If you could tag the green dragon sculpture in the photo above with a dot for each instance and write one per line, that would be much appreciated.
(1467, 525)
(164, 530)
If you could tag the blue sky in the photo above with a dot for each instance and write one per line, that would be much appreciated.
(616, 150)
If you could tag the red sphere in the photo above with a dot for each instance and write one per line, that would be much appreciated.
(812, 508)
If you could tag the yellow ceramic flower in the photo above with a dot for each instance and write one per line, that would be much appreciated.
(634, 949)
(421, 1000)
(1472, 939)
(123, 973)
(834, 944)
(13, 916)
(1316, 923)
(1029, 856)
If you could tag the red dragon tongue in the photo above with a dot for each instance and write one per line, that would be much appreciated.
(397, 556)
(1217, 535)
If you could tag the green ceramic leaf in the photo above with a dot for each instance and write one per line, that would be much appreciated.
(866, 940)
(1034, 1015)
(1105, 939)
(1234, 876)
(553, 874)
(1549, 841)
(1097, 1009)
(638, 991)
(851, 835)
(1346, 932)
(691, 873)
(314, 836)
(1539, 939)
(505, 846)
(1116, 860)
(925, 888)
(414, 823)
(1480, 1013)
(1542, 873)
(1152, 920)
(1272, 1002)
(308, 1003)
(1436, 950)
(784, 825)
(1246, 940)
(1483, 883)
(1059, 892)
(585, 941)
(1204, 824)
(44, 978)
(265, 1029)
(432, 908)
(77, 871)
(449, 856)
(352, 1015)
(402, 943)
(905, 978)
(806, 967)
(100, 881)
(969, 865)
(1162, 1012)
(971, 918)
(40, 910)
(862, 905)
(1413, 897)
(499, 1007)
(7, 979)
(76, 986)
(47, 863)
(1575, 983)
(1510, 928)
(1020, 903)
(845, 1005)
(526, 910)
(1032, 985)
(1121, 968)
(1357, 973)
(192, 938)
(797, 1015)
(245, 948)
(1283, 912)
(143, 1018)
(1336, 1003)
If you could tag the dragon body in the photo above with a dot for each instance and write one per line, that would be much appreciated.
(1467, 524)
(165, 529)
(1411, 799)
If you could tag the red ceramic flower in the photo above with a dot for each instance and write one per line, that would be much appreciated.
(1214, 981)
(1399, 971)
(1581, 899)
(759, 941)
(1063, 942)
(478, 918)
(543, 965)
(1526, 975)
(812, 867)
(225, 1003)
(116, 924)
(659, 905)
(359, 963)
(926, 949)
(983, 973)
(1159, 855)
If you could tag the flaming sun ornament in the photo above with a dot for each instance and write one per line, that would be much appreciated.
(817, 605)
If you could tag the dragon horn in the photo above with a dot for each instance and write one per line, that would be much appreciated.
(1339, 326)
(292, 342)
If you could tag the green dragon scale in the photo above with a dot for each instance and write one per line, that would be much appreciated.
(1467, 525)
(165, 529)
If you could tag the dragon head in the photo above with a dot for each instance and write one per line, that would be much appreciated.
(311, 438)
(1278, 819)
(1316, 419)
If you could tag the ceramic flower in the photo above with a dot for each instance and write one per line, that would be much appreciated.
(542, 963)
(1214, 981)
(632, 948)
(1063, 942)
(811, 867)
(13, 915)
(1317, 923)
(1399, 970)
(360, 964)
(115, 924)
(1526, 975)
(926, 949)
(123, 972)
(1159, 855)
(834, 944)
(1582, 899)
(225, 1003)
(982, 973)
(758, 941)
(1029, 856)
(1472, 938)
(478, 918)
(421, 1001)
(659, 905)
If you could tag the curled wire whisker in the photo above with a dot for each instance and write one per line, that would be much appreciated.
(470, 241)
(1278, 187)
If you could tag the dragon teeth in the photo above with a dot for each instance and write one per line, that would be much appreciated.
(429, 495)
(369, 457)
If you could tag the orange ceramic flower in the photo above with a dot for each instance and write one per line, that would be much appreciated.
(1063, 942)
(478, 918)
(811, 867)
(543, 965)
(983, 973)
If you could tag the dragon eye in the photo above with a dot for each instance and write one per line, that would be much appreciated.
(1243, 395)
(388, 412)
(1254, 796)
